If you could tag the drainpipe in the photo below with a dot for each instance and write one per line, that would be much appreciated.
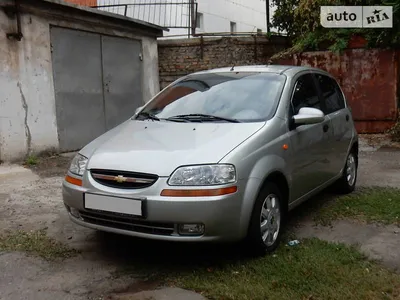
(193, 15)
(267, 13)
(13, 11)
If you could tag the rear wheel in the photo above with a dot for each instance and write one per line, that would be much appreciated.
(347, 183)
(267, 220)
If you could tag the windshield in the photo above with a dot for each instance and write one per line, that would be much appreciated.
(243, 97)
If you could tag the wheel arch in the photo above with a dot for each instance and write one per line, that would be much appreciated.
(253, 230)
(355, 148)
(268, 168)
(277, 177)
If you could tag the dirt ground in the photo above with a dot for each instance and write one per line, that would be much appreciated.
(30, 199)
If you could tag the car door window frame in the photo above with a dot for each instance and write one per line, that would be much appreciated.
(291, 107)
(338, 91)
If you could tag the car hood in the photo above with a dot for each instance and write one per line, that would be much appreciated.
(160, 147)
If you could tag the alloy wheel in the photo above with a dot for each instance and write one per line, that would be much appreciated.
(351, 169)
(270, 220)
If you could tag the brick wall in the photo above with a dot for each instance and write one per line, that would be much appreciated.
(180, 57)
(369, 77)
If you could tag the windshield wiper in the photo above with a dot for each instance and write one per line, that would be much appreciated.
(147, 115)
(202, 117)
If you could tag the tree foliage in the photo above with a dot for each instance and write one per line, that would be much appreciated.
(300, 20)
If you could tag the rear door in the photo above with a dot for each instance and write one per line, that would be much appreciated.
(309, 143)
(335, 108)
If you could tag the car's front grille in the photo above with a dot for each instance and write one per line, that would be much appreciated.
(124, 222)
(123, 179)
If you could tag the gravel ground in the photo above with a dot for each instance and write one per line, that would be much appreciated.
(30, 199)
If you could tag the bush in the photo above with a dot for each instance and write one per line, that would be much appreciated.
(300, 20)
(395, 131)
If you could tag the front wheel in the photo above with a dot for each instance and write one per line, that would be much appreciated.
(347, 183)
(267, 220)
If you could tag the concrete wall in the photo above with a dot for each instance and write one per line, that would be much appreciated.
(27, 101)
(183, 56)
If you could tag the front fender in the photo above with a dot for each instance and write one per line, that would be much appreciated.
(268, 165)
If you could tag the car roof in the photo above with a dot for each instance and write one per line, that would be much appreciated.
(276, 69)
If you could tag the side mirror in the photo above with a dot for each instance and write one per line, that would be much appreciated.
(138, 110)
(308, 115)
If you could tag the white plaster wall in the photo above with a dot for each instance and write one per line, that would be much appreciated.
(249, 15)
(27, 107)
(27, 100)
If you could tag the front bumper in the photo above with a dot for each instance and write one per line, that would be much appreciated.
(220, 215)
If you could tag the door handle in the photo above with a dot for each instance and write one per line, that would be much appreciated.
(347, 118)
(326, 128)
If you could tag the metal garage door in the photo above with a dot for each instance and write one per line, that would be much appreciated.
(97, 81)
(122, 79)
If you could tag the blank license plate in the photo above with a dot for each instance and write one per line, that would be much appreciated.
(113, 204)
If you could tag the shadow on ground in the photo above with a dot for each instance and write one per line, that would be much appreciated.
(309, 209)
(153, 259)
(50, 166)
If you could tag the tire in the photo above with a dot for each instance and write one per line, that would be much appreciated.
(347, 183)
(269, 209)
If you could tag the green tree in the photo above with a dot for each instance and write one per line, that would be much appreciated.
(300, 20)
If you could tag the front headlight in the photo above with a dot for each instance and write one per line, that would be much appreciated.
(78, 165)
(203, 175)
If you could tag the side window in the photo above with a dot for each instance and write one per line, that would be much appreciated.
(305, 94)
(331, 92)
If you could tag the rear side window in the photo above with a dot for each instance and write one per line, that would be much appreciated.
(305, 94)
(331, 93)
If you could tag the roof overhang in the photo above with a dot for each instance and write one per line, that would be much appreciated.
(83, 11)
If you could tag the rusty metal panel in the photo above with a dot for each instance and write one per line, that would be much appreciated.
(83, 2)
(373, 126)
(369, 81)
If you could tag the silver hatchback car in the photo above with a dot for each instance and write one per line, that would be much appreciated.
(219, 155)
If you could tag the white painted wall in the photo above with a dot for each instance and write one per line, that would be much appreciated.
(27, 100)
(249, 15)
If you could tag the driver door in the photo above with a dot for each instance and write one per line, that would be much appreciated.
(310, 143)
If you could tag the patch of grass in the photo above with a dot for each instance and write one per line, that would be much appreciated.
(369, 204)
(31, 160)
(312, 270)
(49, 152)
(35, 242)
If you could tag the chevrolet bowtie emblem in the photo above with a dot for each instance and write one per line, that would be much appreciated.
(120, 179)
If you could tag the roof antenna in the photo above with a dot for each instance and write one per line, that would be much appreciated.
(233, 68)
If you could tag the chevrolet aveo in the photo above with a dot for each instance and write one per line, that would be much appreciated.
(219, 155)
